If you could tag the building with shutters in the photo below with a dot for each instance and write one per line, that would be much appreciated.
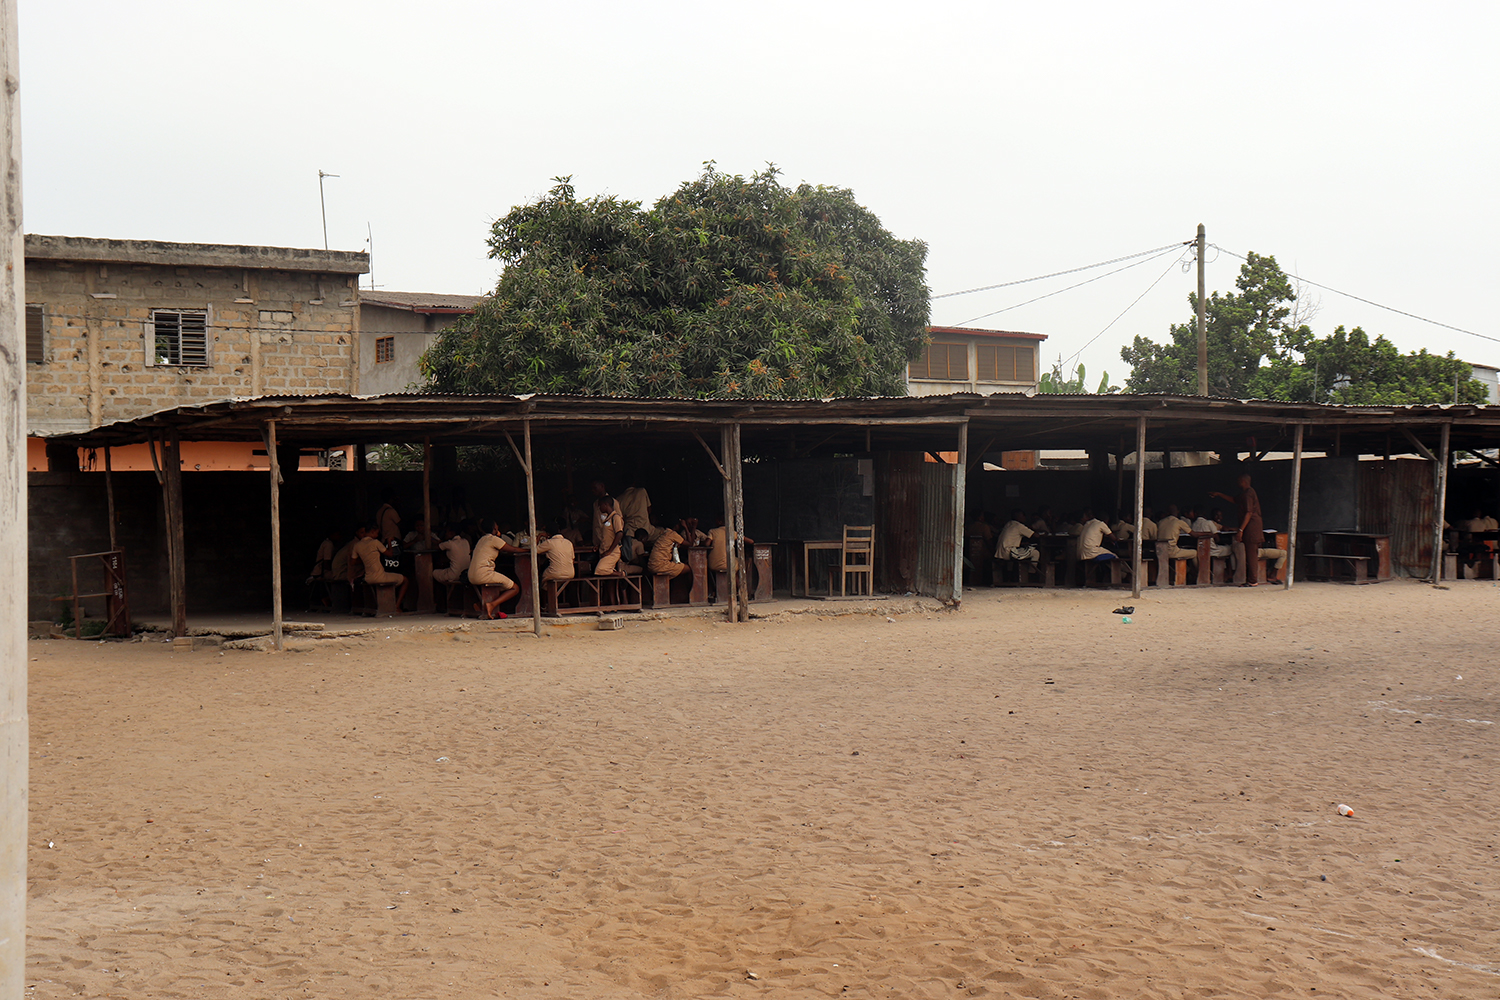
(968, 359)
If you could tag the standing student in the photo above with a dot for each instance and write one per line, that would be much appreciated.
(1251, 530)
(387, 519)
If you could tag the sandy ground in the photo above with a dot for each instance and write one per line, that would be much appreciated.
(1028, 798)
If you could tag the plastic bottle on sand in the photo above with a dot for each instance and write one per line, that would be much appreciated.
(1345, 810)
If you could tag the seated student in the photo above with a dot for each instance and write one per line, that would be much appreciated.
(368, 550)
(419, 537)
(718, 547)
(559, 553)
(1043, 522)
(1214, 525)
(1170, 529)
(482, 571)
(1470, 549)
(637, 547)
(1125, 530)
(663, 560)
(612, 535)
(456, 546)
(319, 576)
(338, 563)
(1013, 534)
(1091, 536)
(1279, 555)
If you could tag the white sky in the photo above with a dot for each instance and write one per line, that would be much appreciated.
(1358, 143)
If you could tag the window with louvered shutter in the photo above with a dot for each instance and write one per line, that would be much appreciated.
(181, 337)
(385, 350)
(947, 362)
(36, 334)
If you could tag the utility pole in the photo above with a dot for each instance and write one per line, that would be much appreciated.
(1202, 317)
(14, 724)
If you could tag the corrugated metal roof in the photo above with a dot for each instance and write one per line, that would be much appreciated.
(421, 301)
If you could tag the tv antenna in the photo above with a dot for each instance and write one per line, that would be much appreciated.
(324, 206)
(370, 241)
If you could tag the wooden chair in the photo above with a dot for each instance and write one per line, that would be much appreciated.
(857, 558)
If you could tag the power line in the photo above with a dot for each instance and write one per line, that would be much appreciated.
(1127, 309)
(1160, 252)
(1371, 302)
(1058, 274)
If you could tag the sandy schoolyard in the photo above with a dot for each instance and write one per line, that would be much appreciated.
(1028, 798)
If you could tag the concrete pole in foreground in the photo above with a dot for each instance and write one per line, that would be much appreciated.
(14, 725)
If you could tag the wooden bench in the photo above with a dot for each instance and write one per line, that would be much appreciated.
(1358, 567)
(591, 595)
(375, 599)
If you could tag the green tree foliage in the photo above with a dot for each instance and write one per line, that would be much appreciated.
(1257, 349)
(1245, 328)
(727, 287)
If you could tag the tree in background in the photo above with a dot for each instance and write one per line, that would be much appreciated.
(1260, 348)
(1245, 328)
(727, 287)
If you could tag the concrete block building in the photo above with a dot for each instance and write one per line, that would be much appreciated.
(396, 328)
(119, 328)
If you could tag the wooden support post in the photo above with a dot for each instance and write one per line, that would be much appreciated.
(742, 566)
(960, 499)
(1120, 475)
(536, 577)
(1296, 503)
(176, 537)
(1440, 489)
(109, 499)
(731, 608)
(1140, 504)
(427, 493)
(277, 637)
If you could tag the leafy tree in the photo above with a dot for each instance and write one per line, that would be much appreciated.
(1347, 367)
(727, 287)
(1259, 348)
(1245, 328)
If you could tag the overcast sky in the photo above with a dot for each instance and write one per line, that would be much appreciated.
(1358, 143)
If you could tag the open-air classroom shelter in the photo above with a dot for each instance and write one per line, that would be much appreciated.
(782, 470)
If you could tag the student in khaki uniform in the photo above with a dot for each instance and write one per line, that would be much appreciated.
(612, 523)
(1170, 529)
(387, 520)
(661, 562)
(559, 553)
(368, 549)
(635, 505)
(1012, 540)
(482, 571)
(601, 494)
(457, 548)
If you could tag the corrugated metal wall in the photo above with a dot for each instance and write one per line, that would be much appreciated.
(1397, 498)
(915, 525)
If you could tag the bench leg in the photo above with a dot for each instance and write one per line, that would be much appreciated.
(385, 600)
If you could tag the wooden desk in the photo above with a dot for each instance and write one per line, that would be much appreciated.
(808, 547)
(523, 580)
(697, 560)
(1359, 543)
(422, 570)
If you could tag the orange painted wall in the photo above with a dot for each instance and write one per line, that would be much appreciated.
(197, 456)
